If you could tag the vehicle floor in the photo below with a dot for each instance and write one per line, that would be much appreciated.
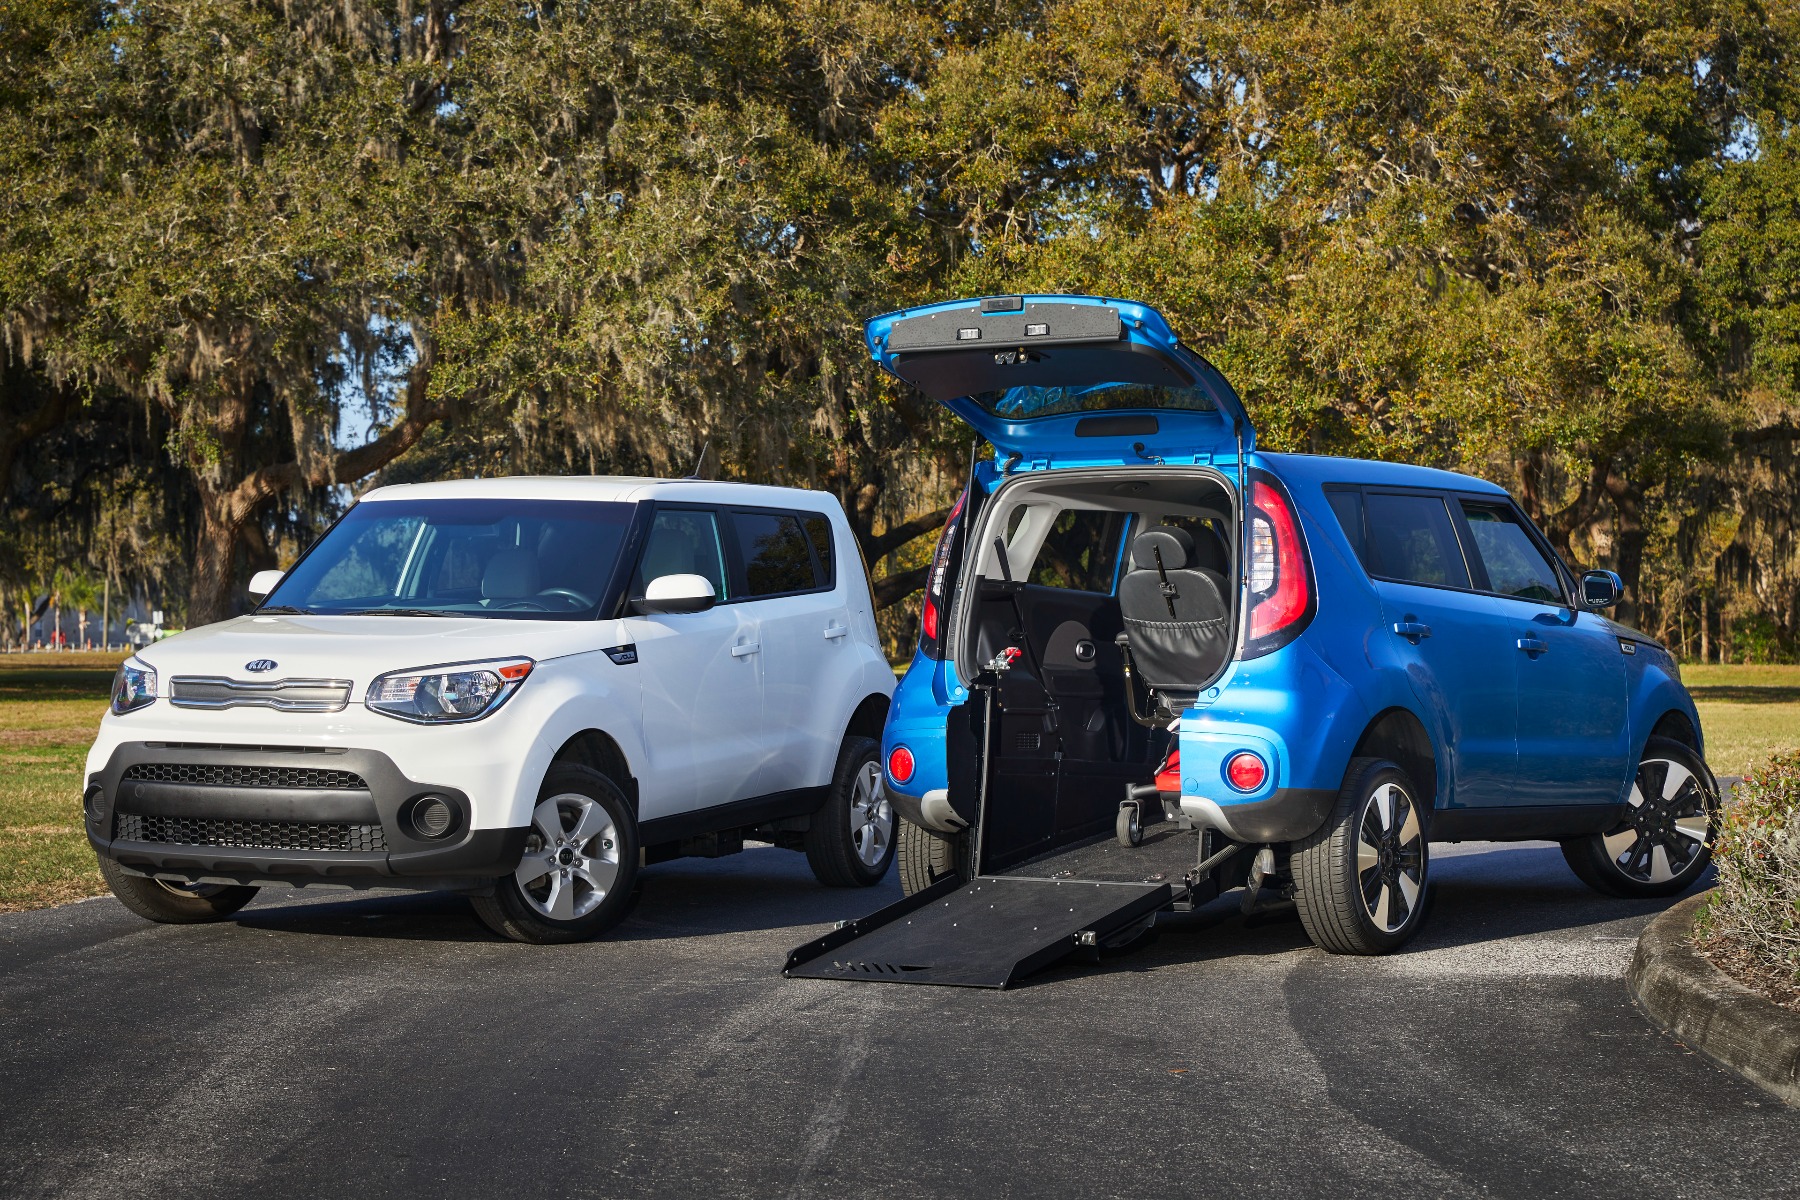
(1166, 853)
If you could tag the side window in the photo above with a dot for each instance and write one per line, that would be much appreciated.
(1081, 552)
(818, 532)
(1412, 540)
(776, 553)
(1515, 565)
(1349, 509)
(683, 542)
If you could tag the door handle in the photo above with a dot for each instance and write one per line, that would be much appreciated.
(832, 632)
(745, 649)
(1533, 646)
(1412, 631)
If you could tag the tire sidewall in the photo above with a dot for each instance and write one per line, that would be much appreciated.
(833, 820)
(1374, 777)
(565, 779)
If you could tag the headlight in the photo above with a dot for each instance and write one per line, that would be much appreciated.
(457, 692)
(133, 687)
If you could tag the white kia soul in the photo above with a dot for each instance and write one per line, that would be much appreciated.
(523, 689)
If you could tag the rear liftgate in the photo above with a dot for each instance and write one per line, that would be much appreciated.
(994, 930)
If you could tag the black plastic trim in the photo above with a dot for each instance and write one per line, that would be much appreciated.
(1525, 823)
(738, 814)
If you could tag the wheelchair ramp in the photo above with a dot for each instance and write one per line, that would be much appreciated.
(991, 932)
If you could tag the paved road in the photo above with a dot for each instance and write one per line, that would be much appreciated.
(386, 1045)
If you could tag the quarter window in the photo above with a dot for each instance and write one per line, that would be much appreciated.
(1081, 551)
(818, 532)
(1515, 565)
(1411, 539)
(776, 552)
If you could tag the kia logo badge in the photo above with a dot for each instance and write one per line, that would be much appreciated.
(261, 664)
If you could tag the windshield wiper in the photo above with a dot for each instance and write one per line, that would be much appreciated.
(283, 610)
(399, 612)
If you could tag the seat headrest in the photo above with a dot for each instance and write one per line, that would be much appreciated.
(1210, 551)
(1177, 546)
(511, 574)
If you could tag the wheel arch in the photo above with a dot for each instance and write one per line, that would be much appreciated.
(1677, 726)
(597, 749)
(1398, 734)
(869, 717)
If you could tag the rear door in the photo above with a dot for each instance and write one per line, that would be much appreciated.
(1456, 643)
(804, 625)
(1056, 381)
(1574, 738)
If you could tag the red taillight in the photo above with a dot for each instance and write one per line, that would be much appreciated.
(1280, 584)
(1245, 771)
(937, 582)
(900, 764)
(1168, 776)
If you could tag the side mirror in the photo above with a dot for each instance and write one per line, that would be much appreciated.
(669, 594)
(1601, 589)
(262, 583)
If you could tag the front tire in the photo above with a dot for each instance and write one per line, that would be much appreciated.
(851, 839)
(1362, 875)
(576, 878)
(174, 903)
(1665, 841)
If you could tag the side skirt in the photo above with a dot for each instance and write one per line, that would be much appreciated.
(1526, 823)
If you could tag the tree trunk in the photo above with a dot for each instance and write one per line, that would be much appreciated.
(215, 545)
(1629, 540)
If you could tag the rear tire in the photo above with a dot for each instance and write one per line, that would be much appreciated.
(1665, 841)
(851, 839)
(174, 903)
(924, 857)
(578, 874)
(1362, 875)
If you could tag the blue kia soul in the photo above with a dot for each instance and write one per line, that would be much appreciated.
(1134, 618)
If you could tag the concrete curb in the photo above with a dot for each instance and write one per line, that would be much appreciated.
(1710, 1011)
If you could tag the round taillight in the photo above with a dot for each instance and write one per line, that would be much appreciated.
(1245, 771)
(900, 764)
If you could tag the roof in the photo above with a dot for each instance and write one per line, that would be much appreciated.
(1325, 468)
(604, 487)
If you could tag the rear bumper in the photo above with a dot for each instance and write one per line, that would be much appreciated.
(286, 816)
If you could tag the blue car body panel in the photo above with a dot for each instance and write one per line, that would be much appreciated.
(1509, 729)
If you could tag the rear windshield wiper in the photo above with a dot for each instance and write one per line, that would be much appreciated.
(398, 612)
(283, 610)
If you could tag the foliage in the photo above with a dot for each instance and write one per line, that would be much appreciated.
(1757, 904)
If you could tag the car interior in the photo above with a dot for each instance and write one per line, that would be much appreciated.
(1082, 577)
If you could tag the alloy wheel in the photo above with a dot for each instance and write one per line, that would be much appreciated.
(1390, 857)
(1667, 825)
(571, 857)
(871, 817)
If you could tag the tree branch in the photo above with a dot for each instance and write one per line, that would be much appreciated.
(896, 536)
(891, 589)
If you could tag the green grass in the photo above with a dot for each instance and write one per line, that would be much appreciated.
(1748, 713)
(50, 705)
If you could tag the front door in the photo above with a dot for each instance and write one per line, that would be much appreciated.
(701, 674)
(1574, 740)
(1457, 643)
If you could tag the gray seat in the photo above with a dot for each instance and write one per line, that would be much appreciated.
(1173, 601)
(511, 574)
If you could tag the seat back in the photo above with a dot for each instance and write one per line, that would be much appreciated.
(1174, 607)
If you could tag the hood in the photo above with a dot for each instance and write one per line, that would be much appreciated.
(359, 648)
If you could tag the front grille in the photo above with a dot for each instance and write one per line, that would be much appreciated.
(253, 835)
(285, 695)
(238, 775)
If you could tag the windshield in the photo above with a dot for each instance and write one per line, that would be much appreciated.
(529, 559)
(1026, 403)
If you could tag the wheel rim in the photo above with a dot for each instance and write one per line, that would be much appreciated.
(1390, 857)
(1665, 831)
(571, 857)
(871, 817)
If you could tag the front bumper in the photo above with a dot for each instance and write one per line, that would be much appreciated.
(288, 816)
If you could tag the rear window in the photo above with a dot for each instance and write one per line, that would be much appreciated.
(1411, 540)
(1026, 403)
(776, 553)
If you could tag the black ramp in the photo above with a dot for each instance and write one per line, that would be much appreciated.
(990, 933)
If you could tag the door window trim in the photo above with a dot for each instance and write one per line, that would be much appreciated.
(1532, 534)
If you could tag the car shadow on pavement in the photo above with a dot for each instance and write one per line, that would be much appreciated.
(760, 889)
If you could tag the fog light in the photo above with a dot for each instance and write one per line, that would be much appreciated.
(1245, 771)
(90, 804)
(900, 764)
(432, 816)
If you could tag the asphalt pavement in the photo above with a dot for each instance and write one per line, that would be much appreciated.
(387, 1045)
